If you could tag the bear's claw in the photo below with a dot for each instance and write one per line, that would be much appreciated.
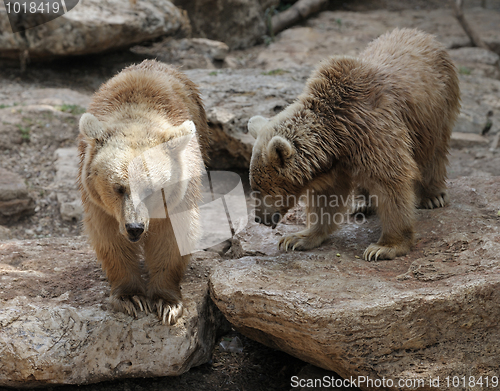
(302, 240)
(434, 202)
(130, 304)
(375, 252)
(168, 313)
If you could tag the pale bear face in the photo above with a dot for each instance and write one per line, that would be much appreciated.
(271, 171)
(134, 177)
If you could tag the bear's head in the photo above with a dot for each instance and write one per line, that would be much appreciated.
(136, 171)
(274, 176)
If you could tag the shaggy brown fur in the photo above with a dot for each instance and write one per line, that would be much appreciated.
(382, 121)
(142, 107)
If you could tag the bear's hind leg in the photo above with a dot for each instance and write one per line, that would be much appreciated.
(431, 191)
(166, 268)
(396, 210)
(327, 198)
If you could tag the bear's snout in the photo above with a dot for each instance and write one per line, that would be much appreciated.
(134, 231)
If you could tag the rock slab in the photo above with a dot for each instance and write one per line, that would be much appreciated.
(56, 327)
(433, 312)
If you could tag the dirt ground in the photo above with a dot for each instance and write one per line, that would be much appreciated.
(257, 367)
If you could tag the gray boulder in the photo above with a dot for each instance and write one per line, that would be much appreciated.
(94, 26)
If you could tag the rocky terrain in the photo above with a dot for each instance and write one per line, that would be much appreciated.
(431, 313)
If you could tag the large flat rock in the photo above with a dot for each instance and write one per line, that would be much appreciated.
(56, 327)
(433, 312)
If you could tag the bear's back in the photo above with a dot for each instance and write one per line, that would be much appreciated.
(423, 80)
(415, 64)
(403, 84)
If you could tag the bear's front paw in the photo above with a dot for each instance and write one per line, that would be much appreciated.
(375, 252)
(434, 202)
(130, 304)
(168, 313)
(303, 240)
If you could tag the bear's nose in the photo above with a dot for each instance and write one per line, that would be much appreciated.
(134, 231)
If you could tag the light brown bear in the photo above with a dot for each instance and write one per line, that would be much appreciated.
(381, 121)
(142, 109)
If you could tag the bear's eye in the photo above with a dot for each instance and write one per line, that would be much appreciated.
(120, 190)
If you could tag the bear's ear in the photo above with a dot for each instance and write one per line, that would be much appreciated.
(184, 133)
(255, 124)
(90, 127)
(279, 150)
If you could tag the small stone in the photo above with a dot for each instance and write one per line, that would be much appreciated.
(71, 211)
(221, 248)
(66, 167)
(14, 199)
(5, 233)
(495, 142)
(13, 210)
(214, 49)
(12, 186)
(231, 62)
